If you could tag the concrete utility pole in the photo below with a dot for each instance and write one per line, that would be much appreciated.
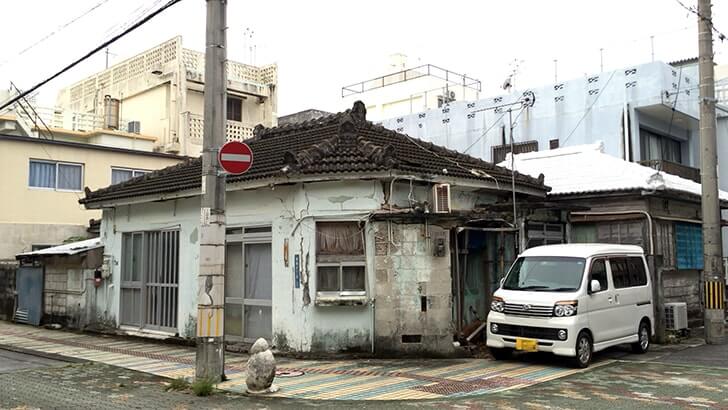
(712, 247)
(210, 363)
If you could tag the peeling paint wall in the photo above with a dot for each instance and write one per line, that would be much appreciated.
(414, 289)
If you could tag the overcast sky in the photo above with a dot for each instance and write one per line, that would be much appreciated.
(320, 46)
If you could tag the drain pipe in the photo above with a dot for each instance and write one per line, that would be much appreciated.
(646, 214)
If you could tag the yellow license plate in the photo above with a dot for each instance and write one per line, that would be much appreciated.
(527, 345)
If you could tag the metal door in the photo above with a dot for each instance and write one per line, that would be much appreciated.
(161, 280)
(29, 285)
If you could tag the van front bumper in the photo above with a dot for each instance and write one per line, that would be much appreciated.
(544, 330)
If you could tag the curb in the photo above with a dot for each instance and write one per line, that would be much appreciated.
(51, 356)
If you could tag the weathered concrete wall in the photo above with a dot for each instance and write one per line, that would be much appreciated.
(68, 287)
(413, 290)
(7, 290)
(16, 238)
(684, 286)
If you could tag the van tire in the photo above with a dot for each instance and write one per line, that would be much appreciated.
(584, 350)
(501, 353)
(643, 338)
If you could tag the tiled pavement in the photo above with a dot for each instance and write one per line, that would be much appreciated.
(300, 379)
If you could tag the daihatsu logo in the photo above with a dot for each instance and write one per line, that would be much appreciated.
(526, 307)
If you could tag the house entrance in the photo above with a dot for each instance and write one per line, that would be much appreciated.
(248, 284)
(149, 279)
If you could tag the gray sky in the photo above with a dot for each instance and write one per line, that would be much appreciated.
(322, 45)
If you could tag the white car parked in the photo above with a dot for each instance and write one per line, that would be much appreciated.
(573, 300)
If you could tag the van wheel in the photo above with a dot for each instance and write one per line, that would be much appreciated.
(501, 354)
(643, 338)
(584, 350)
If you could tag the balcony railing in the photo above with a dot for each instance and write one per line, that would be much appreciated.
(235, 130)
(57, 118)
(673, 168)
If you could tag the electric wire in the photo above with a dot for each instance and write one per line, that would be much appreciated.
(695, 11)
(56, 31)
(589, 110)
(92, 52)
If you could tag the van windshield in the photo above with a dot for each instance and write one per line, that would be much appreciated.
(545, 274)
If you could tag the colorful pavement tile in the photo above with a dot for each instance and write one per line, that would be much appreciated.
(316, 380)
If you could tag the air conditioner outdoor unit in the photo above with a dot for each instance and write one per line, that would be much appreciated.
(676, 316)
(441, 198)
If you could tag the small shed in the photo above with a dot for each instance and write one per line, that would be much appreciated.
(56, 285)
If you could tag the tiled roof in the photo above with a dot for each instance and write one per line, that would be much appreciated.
(338, 144)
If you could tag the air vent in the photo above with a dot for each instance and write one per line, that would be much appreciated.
(441, 196)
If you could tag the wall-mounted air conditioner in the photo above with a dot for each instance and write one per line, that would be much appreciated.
(676, 316)
(441, 198)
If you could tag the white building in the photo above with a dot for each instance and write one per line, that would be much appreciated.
(646, 113)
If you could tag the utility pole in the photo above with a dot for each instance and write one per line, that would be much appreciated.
(210, 360)
(714, 285)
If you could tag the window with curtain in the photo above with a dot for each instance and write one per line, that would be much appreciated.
(55, 175)
(119, 175)
(660, 147)
(340, 258)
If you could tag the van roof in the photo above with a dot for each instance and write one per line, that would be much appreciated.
(583, 250)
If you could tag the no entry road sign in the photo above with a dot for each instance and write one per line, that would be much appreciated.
(235, 157)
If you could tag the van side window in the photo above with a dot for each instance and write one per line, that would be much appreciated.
(628, 272)
(599, 272)
(637, 274)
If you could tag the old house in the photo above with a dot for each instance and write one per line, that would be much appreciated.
(629, 203)
(343, 236)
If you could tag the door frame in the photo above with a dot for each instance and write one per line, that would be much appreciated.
(261, 234)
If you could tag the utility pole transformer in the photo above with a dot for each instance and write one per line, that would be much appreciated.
(210, 360)
(713, 279)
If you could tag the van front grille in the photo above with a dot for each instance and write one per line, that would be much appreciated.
(528, 310)
(544, 333)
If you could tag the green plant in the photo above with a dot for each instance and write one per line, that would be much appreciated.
(178, 384)
(203, 387)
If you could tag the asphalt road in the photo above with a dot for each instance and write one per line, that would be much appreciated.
(11, 361)
(678, 379)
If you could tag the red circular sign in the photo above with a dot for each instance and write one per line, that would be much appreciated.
(235, 157)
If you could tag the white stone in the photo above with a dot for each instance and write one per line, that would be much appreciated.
(261, 369)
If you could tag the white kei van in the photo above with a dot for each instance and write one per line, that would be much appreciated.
(573, 300)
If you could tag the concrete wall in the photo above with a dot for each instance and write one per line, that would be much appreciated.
(16, 238)
(68, 289)
(152, 109)
(684, 286)
(413, 290)
(7, 290)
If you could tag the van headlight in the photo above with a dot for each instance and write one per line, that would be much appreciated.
(565, 308)
(497, 304)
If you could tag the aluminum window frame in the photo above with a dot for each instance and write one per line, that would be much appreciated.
(346, 260)
(57, 176)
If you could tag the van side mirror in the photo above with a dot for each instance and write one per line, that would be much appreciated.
(594, 286)
(502, 281)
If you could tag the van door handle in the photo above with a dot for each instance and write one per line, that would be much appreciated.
(610, 299)
(616, 298)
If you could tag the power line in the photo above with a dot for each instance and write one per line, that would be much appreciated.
(588, 110)
(57, 30)
(708, 21)
(92, 52)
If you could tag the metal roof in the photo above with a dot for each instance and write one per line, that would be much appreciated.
(72, 248)
(585, 169)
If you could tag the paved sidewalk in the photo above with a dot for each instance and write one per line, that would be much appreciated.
(300, 379)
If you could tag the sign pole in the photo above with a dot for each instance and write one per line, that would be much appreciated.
(210, 359)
